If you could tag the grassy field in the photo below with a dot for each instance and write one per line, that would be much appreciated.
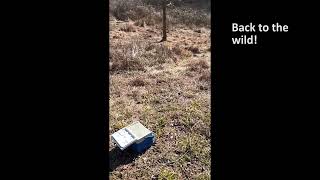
(165, 86)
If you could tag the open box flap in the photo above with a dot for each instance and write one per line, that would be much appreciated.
(123, 138)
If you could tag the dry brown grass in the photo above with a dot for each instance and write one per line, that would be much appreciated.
(172, 113)
(138, 82)
(150, 13)
(205, 76)
(189, 17)
(121, 61)
(168, 90)
(138, 55)
(198, 66)
(134, 10)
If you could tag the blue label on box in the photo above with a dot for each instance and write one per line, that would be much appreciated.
(143, 145)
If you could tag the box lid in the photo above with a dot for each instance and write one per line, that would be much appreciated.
(123, 138)
(138, 130)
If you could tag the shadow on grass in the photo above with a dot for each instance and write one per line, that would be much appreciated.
(118, 158)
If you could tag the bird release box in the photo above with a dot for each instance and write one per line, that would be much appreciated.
(135, 136)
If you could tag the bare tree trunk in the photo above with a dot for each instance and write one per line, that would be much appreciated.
(164, 21)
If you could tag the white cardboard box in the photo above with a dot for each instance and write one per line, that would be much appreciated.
(126, 136)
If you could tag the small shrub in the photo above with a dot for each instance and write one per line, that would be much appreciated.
(137, 82)
(194, 50)
(198, 66)
(156, 54)
(163, 53)
(122, 62)
(128, 27)
(162, 122)
(182, 52)
(140, 23)
(189, 17)
(166, 174)
(205, 76)
(177, 50)
(127, 57)
(150, 47)
(123, 9)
